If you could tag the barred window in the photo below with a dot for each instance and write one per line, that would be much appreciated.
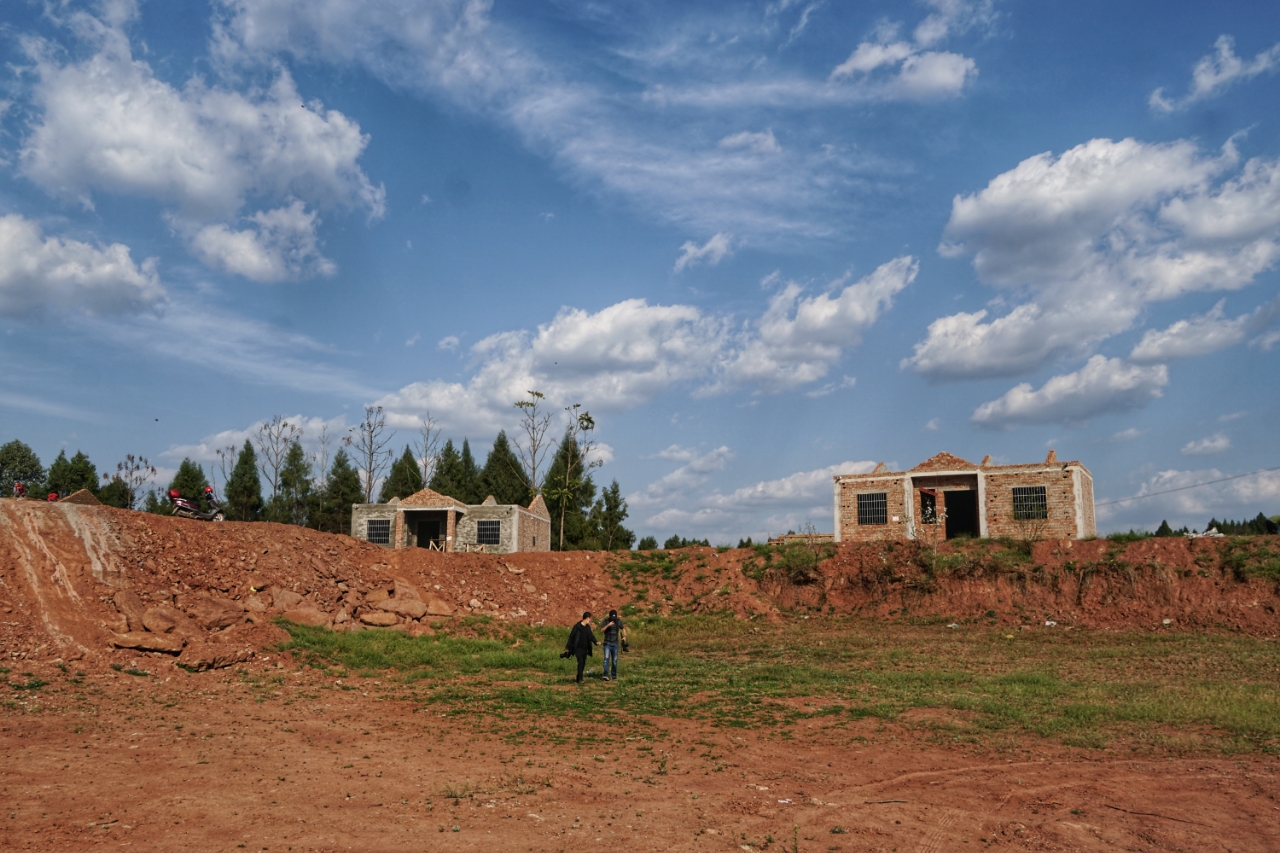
(378, 531)
(873, 508)
(1029, 503)
(488, 532)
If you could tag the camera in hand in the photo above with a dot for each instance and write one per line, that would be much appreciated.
(566, 654)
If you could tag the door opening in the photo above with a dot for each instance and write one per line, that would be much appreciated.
(962, 513)
(431, 534)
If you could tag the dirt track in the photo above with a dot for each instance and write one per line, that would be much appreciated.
(263, 757)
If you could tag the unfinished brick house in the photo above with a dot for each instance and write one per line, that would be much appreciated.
(1050, 500)
(428, 519)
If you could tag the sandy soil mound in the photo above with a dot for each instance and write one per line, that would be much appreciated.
(79, 581)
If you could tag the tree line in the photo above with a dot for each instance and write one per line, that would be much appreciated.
(273, 478)
(1257, 526)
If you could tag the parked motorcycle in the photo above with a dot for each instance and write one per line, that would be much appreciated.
(184, 508)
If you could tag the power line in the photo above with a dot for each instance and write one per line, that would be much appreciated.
(1192, 486)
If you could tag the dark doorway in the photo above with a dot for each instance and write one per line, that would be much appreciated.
(431, 533)
(962, 513)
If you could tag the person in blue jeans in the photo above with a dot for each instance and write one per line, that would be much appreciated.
(613, 629)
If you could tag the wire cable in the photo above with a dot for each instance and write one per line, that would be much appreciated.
(1192, 486)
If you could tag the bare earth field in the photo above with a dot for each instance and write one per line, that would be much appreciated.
(841, 713)
(204, 762)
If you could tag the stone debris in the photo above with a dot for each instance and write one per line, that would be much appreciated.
(200, 656)
(148, 642)
(306, 616)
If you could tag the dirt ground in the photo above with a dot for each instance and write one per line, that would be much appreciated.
(256, 754)
(211, 761)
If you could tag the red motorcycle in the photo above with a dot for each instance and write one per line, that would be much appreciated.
(184, 508)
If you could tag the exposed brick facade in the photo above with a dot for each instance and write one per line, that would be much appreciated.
(970, 499)
(427, 519)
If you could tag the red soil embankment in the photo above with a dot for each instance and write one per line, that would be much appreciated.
(84, 582)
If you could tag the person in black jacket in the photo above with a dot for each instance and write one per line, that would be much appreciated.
(581, 643)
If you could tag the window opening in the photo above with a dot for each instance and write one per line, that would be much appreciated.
(873, 508)
(1029, 503)
(378, 531)
(488, 532)
(928, 506)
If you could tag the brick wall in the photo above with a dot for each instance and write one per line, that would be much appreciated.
(1060, 499)
(361, 513)
(535, 532)
(468, 528)
(941, 485)
(1086, 490)
(851, 531)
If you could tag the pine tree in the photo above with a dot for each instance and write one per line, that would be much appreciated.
(501, 477)
(648, 543)
(71, 475)
(470, 476)
(190, 481)
(1164, 529)
(606, 519)
(244, 489)
(569, 498)
(19, 464)
(341, 489)
(115, 493)
(405, 478)
(448, 478)
(292, 505)
(155, 506)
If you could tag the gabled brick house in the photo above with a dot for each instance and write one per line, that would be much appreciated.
(1052, 500)
(428, 519)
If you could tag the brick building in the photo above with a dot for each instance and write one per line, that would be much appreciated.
(1052, 500)
(428, 519)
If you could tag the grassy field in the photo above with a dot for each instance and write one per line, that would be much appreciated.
(1162, 691)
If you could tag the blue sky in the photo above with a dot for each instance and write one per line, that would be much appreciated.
(762, 243)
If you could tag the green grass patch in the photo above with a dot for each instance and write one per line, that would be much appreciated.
(1079, 688)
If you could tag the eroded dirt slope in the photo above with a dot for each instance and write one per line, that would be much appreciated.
(77, 582)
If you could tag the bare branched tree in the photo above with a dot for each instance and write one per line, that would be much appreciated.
(427, 446)
(932, 531)
(273, 440)
(226, 462)
(534, 423)
(320, 470)
(369, 440)
(135, 472)
(321, 458)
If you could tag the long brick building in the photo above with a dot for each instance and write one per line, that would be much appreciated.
(1048, 500)
(428, 519)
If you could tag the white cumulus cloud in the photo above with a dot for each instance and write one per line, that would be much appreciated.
(917, 72)
(1190, 498)
(41, 274)
(800, 337)
(1215, 72)
(758, 510)
(281, 244)
(109, 124)
(1087, 239)
(1103, 385)
(627, 353)
(1207, 446)
(712, 252)
(695, 471)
